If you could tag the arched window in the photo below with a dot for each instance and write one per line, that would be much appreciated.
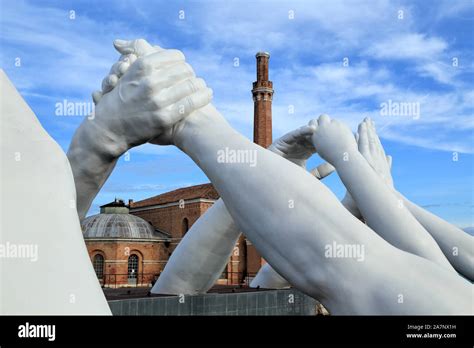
(185, 226)
(132, 267)
(98, 263)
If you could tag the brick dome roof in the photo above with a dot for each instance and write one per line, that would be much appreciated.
(124, 226)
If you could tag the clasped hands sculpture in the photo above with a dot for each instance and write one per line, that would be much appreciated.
(152, 95)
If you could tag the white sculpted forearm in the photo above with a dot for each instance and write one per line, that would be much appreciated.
(217, 224)
(381, 208)
(384, 213)
(268, 278)
(306, 216)
(349, 204)
(457, 245)
(92, 155)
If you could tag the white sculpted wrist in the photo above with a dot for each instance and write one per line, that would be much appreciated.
(97, 138)
(202, 122)
(345, 158)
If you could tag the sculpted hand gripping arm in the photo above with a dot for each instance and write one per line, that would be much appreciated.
(146, 105)
(317, 220)
(457, 245)
(379, 206)
(197, 262)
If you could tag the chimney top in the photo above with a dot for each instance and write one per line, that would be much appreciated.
(262, 54)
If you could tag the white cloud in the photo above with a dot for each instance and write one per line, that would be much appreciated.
(408, 46)
(306, 64)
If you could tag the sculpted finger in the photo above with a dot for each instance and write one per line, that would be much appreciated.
(161, 59)
(305, 131)
(323, 119)
(164, 78)
(109, 82)
(169, 76)
(138, 47)
(298, 134)
(179, 91)
(96, 96)
(377, 144)
(128, 58)
(313, 123)
(363, 142)
(372, 124)
(119, 68)
(189, 104)
(389, 161)
(371, 136)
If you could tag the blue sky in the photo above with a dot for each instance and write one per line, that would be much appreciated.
(405, 52)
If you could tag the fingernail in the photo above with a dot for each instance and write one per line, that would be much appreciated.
(119, 42)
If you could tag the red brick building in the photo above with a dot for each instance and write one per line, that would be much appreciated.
(124, 249)
(176, 211)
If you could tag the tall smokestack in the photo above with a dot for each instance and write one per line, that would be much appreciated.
(262, 92)
(262, 98)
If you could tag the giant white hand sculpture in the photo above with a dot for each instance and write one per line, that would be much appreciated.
(378, 204)
(146, 104)
(457, 245)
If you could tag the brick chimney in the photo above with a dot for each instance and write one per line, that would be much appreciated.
(262, 98)
(262, 92)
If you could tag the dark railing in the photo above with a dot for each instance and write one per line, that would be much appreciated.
(236, 278)
(114, 280)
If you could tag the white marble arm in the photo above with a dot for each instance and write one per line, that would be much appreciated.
(348, 203)
(199, 258)
(457, 245)
(36, 178)
(268, 278)
(379, 206)
(304, 215)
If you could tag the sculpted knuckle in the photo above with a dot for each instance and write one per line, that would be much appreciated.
(199, 83)
(155, 104)
(147, 86)
(159, 101)
(143, 65)
(140, 42)
(188, 69)
(177, 53)
(166, 119)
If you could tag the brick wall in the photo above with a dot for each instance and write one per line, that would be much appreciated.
(152, 258)
(170, 219)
